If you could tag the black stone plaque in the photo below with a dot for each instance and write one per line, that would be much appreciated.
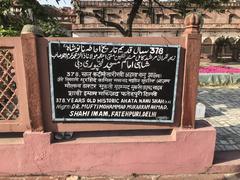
(113, 82)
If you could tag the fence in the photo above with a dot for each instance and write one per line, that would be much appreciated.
(14, 113)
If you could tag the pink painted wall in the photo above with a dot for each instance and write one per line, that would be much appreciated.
(184, 151)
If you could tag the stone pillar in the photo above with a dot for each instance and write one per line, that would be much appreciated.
(29, 50)
(191, 69)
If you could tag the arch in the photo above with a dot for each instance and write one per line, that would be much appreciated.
(232, 40)
(206, 47)
(236, 52)
(230, 18)
(224, 48)
(237, 42)
(220, 41)
(207, 40)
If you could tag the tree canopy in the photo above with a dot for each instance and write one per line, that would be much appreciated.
(182, 7)
(31, 12)
(14, 14)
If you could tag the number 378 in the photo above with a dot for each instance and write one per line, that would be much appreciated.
(72, 74)
(156, 50)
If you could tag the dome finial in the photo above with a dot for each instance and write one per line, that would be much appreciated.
(192, 22)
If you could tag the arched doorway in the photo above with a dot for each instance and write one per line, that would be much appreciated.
(207, 47)
(236, 53)
(223, 49)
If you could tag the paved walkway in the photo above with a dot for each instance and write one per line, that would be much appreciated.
(223, 112)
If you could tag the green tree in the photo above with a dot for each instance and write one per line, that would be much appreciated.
(182, 7)
(15, 14)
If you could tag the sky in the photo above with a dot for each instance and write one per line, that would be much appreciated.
(62, 3)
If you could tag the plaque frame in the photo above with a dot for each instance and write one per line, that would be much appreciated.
(111, 119)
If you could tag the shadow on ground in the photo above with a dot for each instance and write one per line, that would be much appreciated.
(220, 99)
(227, 156)
(223, 112)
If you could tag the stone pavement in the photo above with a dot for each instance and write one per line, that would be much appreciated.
(223, 112)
